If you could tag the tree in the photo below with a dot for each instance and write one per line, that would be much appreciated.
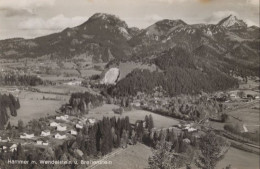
(8, 126)
(163, 157)
(151, 123)
(20, 126)
(19, 152)
(224, 117)
(241, 94)
(212, 148)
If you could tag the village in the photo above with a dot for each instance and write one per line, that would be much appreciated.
(58, 129)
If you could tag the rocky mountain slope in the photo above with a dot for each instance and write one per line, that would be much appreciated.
(227, 48)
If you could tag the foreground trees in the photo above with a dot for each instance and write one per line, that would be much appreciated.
(8, 106)
(213, 149)
(167, 153)
(163, 157)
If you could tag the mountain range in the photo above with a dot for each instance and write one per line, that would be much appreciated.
(229, 47)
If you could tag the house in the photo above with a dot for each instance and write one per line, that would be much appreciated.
(65, 117)
(26, 136)
(74, 83)
(45, 133)
(60, 137)
(136, 104)
(91, 121)
(54, 124)
(73, 132)
(4, 140)
(186, 140)
(13, 147)
(45, 143)
(3, 148)
(61, 128)
(79, 126)
(39, 142)
(233, 95)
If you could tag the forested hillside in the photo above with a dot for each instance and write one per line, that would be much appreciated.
(8, 106)
(180, 74)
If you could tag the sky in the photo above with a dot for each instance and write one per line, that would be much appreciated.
(33, 18)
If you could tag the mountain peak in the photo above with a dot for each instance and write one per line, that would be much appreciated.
(232, 21)
(103, 16)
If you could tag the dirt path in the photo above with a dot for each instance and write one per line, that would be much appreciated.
(107, 157)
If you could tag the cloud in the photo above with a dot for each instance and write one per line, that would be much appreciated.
(27, 5)
(152, 18)
(251, 23)
(253, 2)
(15, 12)
(219, 15)
(58, 22)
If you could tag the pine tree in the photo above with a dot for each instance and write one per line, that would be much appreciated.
(20, 126)
(8, 126)
(213, 149)
(19, 152)
(163, 157)
(151, 123)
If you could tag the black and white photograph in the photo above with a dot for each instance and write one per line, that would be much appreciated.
(129, 84)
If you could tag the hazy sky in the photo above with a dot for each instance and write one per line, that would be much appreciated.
(32, 18)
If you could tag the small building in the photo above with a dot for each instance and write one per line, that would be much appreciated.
(79, 126)
(65, 117)
(91, 121)
(3, 148)
(4, 140)
(26, 136)
(73, 83)
(45, 143)
(186, 140)
(54, 124)
(73, 132)
(60, 137)
(61, 128)
(13, 147)
(39, 142)
(45, 133)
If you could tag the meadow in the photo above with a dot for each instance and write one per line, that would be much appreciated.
(134, 115)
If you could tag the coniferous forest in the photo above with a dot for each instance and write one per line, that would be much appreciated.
(8, 107)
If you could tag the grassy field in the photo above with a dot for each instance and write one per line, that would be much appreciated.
(34, 107)
(134, 157)
(62, 89)
(239, 160)
(248, 115)
(134, 115)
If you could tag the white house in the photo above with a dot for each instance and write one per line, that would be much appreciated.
(4, 140)
(91, 121)
(60, 137)
(3, 148)
(45, 133)
(45, 143)
(26, 136)
(65, 117)
(73, 132)
(13, 147)
(54, 124)
(39, 142)
(186, 140)
(79, 126)
(74, 83)
(61, 128)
